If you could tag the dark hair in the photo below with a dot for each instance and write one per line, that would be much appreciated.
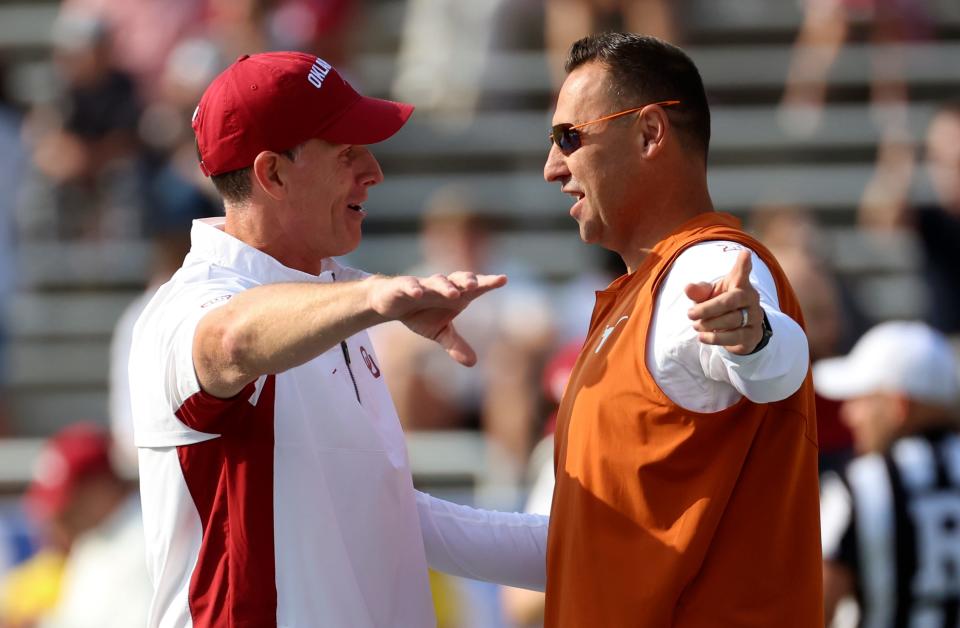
(235, 186)
(644, 70)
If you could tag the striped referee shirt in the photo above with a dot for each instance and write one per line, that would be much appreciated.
(894, 520)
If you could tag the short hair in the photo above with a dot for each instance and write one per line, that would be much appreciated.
(644, 70)
(235, 186)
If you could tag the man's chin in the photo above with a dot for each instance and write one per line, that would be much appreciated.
(345, 250)
(588, 235)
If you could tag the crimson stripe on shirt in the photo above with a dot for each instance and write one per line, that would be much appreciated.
(231, 481)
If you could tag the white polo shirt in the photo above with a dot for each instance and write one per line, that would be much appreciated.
(288, 505)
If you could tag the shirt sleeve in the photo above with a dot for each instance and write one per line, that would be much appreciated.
(169, 406)
(197, 408)
(506, 548)
(773, 373)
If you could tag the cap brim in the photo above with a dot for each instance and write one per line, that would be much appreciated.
(840, 379)
(368, 121)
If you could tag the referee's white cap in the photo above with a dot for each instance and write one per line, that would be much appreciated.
(910, 358)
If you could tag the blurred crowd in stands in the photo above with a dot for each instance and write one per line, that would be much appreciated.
(106, 152)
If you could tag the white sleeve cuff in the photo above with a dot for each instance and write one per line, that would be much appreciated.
(776, 371)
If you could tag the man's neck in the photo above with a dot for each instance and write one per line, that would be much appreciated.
(247, 225)
(644, 237)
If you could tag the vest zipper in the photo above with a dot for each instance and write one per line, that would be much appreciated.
(346, 356)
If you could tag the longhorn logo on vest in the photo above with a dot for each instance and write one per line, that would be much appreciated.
(368, 360)
(318, 72)
(607, 332)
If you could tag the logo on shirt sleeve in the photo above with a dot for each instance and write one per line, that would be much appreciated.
(214, 301)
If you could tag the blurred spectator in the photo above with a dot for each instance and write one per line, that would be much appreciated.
(788, 231)
(825, 28)
(524, 608)
(510, 330)
(566, 21)
(164, 127)
(886, 207)
(238, 26)
(444, 51)
(76, 493)
(796, 240)
(85, 146)
(322, 27)
(143, 33)
(891, 521)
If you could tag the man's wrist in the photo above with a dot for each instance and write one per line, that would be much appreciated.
(373, 312)
(767, 334)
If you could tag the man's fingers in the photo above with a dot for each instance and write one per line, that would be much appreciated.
(740, 274)
(463, 280)
(486, 283)
(699, 292)
(729, 320)
(471, 282)
(723, 304)
(441, 285)
(489, 282)
(734, 340)
(458, 348)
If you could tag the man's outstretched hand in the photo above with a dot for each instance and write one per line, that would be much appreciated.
(716, 312)
(428, 305)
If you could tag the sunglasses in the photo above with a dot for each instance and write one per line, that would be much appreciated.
(567, 136)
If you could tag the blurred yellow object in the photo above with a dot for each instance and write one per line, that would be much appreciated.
(30, 590)
(446, 600)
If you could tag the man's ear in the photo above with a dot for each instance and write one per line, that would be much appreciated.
(654, 128)
(268, 173)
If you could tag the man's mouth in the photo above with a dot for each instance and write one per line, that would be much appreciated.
(576, 195)
(355, 207)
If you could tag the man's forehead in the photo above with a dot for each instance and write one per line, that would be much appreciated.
(584, 92)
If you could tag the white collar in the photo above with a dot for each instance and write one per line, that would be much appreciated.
(212, 243)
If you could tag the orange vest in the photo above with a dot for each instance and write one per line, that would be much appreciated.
(667, 517)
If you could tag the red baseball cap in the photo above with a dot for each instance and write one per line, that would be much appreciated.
(79, 451)
(277, 100)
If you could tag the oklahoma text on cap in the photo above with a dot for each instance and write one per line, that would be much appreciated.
(277, 100)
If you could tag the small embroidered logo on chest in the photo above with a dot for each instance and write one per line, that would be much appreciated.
(368, 360)
(608, 332)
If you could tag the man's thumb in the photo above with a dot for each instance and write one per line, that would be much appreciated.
(457, 348)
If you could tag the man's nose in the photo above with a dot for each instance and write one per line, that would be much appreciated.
(555, 169)
(370, 173)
